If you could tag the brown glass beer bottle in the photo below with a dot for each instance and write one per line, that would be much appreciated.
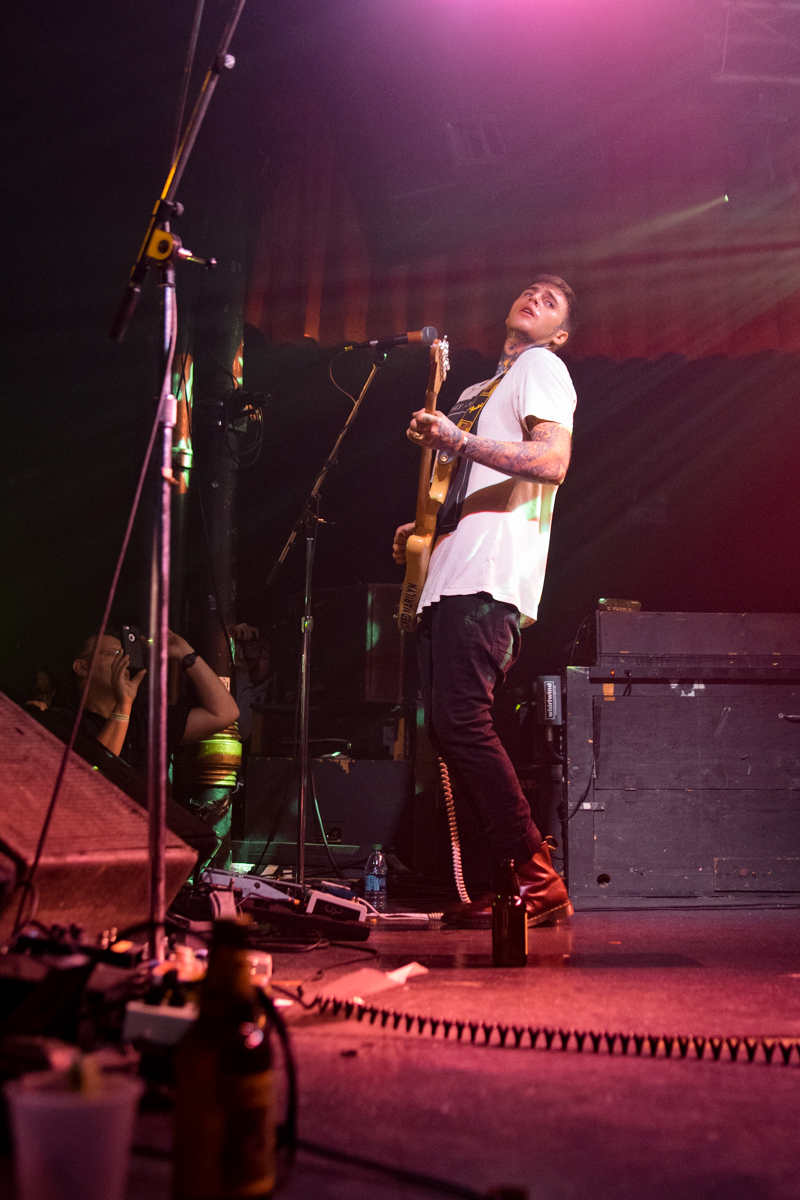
(224, 1133)
(509, 921)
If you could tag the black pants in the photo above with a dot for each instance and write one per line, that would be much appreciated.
(466, 645)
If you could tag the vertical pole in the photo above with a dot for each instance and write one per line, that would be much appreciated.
(182, 388)
(309, 519)
(159, 630)
(306, 627)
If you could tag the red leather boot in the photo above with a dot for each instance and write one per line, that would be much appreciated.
(543, 889)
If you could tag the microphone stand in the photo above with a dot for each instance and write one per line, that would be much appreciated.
(159, 635)
(160, 246)
(309, 521)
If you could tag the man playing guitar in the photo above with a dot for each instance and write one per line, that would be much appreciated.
(487, 569)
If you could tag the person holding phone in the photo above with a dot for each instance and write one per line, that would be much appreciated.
(110, 714)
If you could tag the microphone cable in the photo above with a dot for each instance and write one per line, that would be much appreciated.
(27, 883)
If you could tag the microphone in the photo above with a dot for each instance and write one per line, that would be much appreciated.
(426, 336)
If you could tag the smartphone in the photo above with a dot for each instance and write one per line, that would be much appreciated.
(132, 644)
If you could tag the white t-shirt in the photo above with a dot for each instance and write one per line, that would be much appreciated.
(500, 543)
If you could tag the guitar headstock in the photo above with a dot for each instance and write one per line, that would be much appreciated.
(440, 360)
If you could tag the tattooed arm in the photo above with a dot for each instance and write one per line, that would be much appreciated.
(543, 459)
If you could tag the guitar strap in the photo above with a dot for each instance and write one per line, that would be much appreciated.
(464, 414)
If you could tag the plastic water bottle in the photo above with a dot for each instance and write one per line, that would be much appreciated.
(375, 879)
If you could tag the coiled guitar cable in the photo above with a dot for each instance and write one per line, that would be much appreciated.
(455, 844)
(455, 841)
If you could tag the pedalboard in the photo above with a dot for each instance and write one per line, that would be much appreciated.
(329, 909)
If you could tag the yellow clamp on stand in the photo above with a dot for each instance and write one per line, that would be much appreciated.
(162, 245)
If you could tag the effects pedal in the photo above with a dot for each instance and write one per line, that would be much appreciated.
(331, 908)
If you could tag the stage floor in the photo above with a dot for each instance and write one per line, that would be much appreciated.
(563, 1124)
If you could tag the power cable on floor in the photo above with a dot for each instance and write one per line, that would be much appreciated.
(431, 1182)
(365, 952)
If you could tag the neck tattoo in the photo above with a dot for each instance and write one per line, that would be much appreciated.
(515, 343)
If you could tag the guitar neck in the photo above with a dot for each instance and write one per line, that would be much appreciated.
(423, 487)
(426, 460)
(419, 547)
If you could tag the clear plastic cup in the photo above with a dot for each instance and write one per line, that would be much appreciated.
(71, 1145)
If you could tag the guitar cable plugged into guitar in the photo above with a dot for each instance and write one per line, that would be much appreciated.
(434, 481)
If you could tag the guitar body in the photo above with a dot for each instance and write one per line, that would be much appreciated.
(431, 494)
(419, 548)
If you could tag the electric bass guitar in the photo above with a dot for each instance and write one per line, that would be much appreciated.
(431, 494)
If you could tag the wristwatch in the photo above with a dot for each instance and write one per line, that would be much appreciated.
(189, 660)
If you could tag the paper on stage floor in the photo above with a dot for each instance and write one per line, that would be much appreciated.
(358, 984)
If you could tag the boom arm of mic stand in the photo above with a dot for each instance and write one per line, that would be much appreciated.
(165, 206)
(308, 503)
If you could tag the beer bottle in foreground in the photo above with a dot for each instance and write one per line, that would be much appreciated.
(509, 921)
(224, 1139)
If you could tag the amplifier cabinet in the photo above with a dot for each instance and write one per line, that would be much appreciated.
(360, 802)
(671, 645)
(682, 792)
(358, 646)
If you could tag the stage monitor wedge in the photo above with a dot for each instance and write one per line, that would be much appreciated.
(94, 871)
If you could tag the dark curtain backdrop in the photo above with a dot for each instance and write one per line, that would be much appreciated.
(332, 179)
(661, 263)
(683, 491)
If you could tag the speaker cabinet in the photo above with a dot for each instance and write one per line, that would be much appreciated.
(358, 647)
(360, 802)
(682, 791)
(95, 867)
